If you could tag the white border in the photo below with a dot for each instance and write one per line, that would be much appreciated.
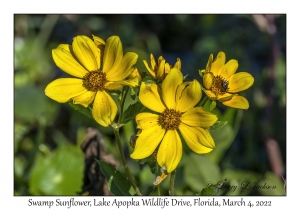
(8, 9)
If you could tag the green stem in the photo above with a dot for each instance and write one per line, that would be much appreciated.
(117, 134)
(172, 182)
(125, 91)
(158, 174)
(202, 102)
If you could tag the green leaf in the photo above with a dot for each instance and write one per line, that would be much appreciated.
(218, 125)
(117, 183)
(212, 105)
(133, 93)
(200, 171)
(86, 111)
(58, 174)
(131, 112)
(209, 190)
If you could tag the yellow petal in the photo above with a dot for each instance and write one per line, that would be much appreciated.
(104, 109)
(147, 142)
(63, 89)
(208, 80)
(153, 62)
(210, 95)
(170, 151)
(225, 97)
(160, 73)
(113, 54)
(188, 95)
(136, 73)
(123, 69)
(239, 82)
(198, 139)
(169, 86)
(177, 65)
(150, 97)
(199, 117)
(119, 84)
(99, 42)
(238, 102)
(218, 64)
(229, 69)
(84, 99)
(151, 72)
(86, 52)
(66, 62)
(146, 120)
(209, 62)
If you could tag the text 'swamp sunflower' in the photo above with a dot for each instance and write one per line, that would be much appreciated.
(98, 66)
(160, 70)
(222, 83)
(174, 103)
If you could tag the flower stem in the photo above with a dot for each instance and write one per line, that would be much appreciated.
(172, 182)
(124, 92)
(202, 102)
(157, 174)
(117, 134)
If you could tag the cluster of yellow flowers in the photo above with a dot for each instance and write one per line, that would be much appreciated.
(100, 67)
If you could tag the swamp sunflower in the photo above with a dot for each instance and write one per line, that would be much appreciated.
(98, 67)
(160, 70)
(174, 104)
(222, 83)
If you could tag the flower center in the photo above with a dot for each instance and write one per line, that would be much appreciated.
(169, 119)
(94, 80)
(219, 85)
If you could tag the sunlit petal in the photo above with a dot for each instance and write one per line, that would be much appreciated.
(208, 80)
(104, 109)
(210, 95)
(86, 52)
(199, 117)
(84, 99)
(169, 87)
(150, 97)
(123, 69)
(170, 151)
(62, 90)
(177, 65)
(188, 95)
(239, 82)
(146, 120)
(218, 64)
(151, 72)
(113, 54)
(229, 68)
(66, 61)
(147, 142)
(119, 84)
(225, 97)
(198, 139)
(238, 102)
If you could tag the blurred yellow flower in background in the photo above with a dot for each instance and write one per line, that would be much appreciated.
(160, 70)
(174, 103)
(222, 83)
(98, 67)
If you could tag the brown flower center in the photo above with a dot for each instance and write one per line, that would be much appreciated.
(219, 85)
(169, 119)
(94, 81)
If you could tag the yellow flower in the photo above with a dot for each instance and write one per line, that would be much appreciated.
(174, 102)
(98, 67)
(222, 83)
(160, 71)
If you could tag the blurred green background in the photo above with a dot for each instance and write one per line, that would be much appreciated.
(251, 148)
